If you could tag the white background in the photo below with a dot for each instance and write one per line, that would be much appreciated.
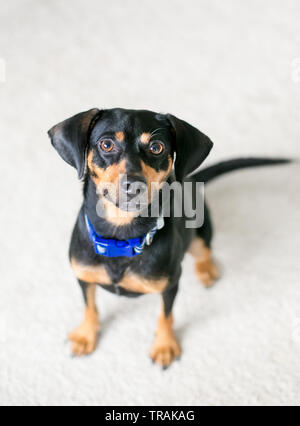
(230, 68)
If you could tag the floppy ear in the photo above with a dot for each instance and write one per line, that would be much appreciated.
(71, 137)
(192, 147)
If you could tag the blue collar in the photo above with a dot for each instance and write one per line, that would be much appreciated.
(116, 248)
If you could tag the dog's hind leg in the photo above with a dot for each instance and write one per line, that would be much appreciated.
(84, 338)
(206, 270)
(166, 347)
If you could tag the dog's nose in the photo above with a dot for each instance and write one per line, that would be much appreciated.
(133, 186)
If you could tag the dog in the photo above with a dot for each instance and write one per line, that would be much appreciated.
(119, 250)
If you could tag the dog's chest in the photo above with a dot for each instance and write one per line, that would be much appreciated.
(129, 279)
(120, 274)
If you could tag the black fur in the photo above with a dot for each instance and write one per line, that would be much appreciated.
(71, 138)
(191, 146)
(75, 137)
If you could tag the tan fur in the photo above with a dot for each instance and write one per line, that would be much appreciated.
(145, 138)
(91, 274)
(132, 282)
(111, 175)
(84, 338)
(166, 347)
(155, 179)
(206, 270)
(115, 215)
(120, 136)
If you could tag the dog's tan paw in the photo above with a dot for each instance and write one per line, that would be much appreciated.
(207, 272)
(84, 339)
(165, 351)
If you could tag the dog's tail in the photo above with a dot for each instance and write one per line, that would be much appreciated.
(212, 172)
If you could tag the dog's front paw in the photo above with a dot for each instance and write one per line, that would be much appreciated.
(84, 339)
(165, 350)
(207, 272)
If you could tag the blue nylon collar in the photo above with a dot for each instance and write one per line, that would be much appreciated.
(116, 248)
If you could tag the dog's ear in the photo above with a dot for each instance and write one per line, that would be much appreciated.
(71, 137)
(192, 147)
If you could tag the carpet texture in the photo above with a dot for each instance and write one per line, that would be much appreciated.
(229, 68)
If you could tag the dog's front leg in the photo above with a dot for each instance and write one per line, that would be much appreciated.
(84, 338)
(166, 347)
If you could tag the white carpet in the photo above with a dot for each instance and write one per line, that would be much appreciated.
(227, 68)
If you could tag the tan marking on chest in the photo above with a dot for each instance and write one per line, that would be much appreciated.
(91, 274)
(137, 284)
(130, 282)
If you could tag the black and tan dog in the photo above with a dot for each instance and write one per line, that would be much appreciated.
(145, 147)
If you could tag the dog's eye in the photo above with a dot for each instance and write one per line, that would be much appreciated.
(156, 148)
(107, 145)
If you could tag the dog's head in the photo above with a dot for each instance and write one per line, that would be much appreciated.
(131, 150)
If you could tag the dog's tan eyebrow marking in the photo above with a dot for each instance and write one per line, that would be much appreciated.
(120, 136)
(145, 138)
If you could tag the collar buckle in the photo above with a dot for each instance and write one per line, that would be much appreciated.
(149, 239)
(115, 248)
